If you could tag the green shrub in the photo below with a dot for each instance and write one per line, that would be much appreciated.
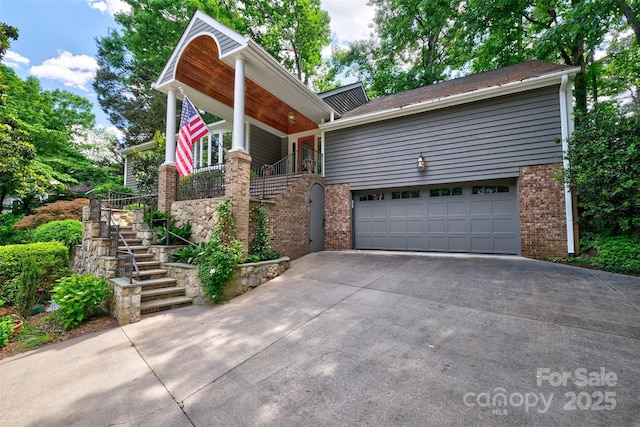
(260, 246)
(10, 235)
(52, 257)
(80, 296)
(153, 215)
(67, 231)
(221, 255)
(183, 231)
(619, 254)
(6, 330)
(27, 283)
(189, 254)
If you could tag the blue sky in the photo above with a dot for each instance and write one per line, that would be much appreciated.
(57, 38)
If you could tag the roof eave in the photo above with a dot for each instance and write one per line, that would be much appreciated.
(449, 101)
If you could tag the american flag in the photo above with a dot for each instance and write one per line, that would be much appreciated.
(192, 128)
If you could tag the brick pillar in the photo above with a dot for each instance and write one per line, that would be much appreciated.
(543, 223)
(337, 213)
(167, 187)
(237, 182)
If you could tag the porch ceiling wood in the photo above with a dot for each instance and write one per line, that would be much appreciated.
(201, 68)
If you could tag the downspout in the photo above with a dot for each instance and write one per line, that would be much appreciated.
(566, 128)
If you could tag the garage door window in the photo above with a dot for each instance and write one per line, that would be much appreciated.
(372, 196)
(443, 192)
(489, 189)
(412, 194)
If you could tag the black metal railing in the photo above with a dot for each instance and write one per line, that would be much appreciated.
(125, 259)
(117, 200)
(203, 183)
(271, 179)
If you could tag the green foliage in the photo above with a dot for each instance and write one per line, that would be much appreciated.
(103, 190)
(221, 255)
(6, 330)
(52, 257)
(189, 254)
(67, 231)
(604, 157)
(144, 165)
(260, 246)
(618, 254)
(80, 296)
(27, 283)
(10, 235)
(153, 215)
(165, 238)
(31, 336)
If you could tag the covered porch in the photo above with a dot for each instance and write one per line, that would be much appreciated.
(267, 116)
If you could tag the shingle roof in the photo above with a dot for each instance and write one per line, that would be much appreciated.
(523, 71)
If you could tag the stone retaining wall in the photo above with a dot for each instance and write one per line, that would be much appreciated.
(201, 214)
(247, 277)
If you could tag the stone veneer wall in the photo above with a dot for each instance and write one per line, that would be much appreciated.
(289, 217)
(92, 255)
(247, 277)
(337, 208)
(543, 227)
(201, 214)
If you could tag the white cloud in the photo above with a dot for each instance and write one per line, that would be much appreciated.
(14, 60)
(70, 70)
(109, 6)
(350, 20)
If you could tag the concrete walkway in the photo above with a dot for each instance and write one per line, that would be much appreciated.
(350, 338)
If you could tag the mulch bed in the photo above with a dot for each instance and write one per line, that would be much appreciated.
(95, 324)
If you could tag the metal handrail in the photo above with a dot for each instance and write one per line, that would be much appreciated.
(128, 250)
(169, 232)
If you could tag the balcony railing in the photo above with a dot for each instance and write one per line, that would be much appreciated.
(203, 183)
(271, 179)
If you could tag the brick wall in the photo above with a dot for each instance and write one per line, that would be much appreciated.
(337, 212)
(542, 212)
(237, 181)
(289, 217)
(167, 187)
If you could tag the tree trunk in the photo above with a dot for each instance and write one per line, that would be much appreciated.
(628, 13)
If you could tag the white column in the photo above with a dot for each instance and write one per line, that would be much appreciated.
(220, 148)
(209, 153)
(238, 108)
(170, 148)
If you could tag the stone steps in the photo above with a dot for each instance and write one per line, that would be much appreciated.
(163, 304)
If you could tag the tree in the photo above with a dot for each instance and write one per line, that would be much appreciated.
(295, 32)
(604, 157)
(144, 165)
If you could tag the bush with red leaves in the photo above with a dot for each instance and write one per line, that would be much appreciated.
(59, 210)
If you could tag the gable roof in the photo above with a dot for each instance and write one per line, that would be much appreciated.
(502, 81)
(203, 63)
(345, 98)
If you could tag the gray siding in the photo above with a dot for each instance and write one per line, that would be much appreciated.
(225, 43)
(264, 147)
(478, 141)
(131, 180)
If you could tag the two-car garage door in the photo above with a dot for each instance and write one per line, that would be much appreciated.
(477, 217)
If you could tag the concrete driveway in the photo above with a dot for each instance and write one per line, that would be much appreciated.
(349, 338)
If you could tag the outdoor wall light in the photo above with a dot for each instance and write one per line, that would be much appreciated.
(291, 117)
(422, 164)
